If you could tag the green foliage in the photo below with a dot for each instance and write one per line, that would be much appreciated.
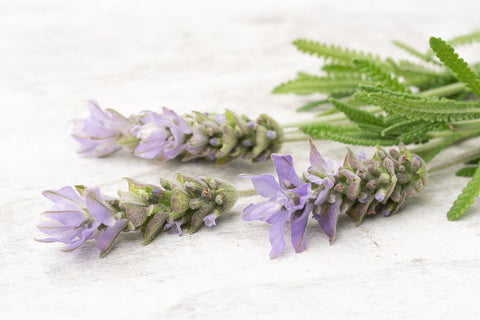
(311, 105)
(447, 55)
(465, 39)
(466, 198)
(308, 84)
(331, 52)
(427, 109)
(401, 126)
(377, 74)
(355, 114)
(414, 52)
(466, 172)
(345, 134)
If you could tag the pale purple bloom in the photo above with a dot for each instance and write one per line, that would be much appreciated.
(174, 226)
(100, 132)
(288, 200)
(75, 218)
(209, 220)
(328, 169)
(320, 165)
(326, 214)
(162, 136)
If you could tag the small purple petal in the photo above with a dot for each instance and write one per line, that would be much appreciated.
(265, 185)
(322, 195)
(285, 171)
(261, 211)
(210, 220)
(97, 207)
(62, 194)
(162, 135)
(100, 132)
(276, 233)
(110, 234)
(328, 220)
(298, 224)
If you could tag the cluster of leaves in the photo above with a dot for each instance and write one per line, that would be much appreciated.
(413, 101)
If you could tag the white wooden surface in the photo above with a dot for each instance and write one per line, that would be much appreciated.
(208, 55)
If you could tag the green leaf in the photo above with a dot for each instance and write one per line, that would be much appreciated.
(401, 126)
(414, 52)
(311, 105)
(447, 55)
(338, 69)
(466, 172)
(355, 114)
(332, 52)
(308, 84)
(345, 134)
(428, 109)
(418, 134)
(466, 198)
(375, 73)
(465, 39)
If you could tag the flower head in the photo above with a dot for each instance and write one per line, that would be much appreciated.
(79, 215)
(162, 135)
(100, 132)
(287, 200)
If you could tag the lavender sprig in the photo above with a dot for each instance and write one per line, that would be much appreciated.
(358, 187)
(80, 214)
(165, 136)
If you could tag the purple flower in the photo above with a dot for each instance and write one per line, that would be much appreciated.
(288, 199)
(162, 135)
(322, 173)
(174, 226)
(79, 215)
(209, 220)
(100, 132)
(320, 165)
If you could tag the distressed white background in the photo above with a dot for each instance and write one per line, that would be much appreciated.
(207, 55)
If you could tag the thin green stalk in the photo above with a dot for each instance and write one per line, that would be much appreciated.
(444, 91)
(328, 119)
(247, 193)
(295, 137)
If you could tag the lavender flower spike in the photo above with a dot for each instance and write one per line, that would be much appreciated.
(162, 136)
(78, 215)
(99, 134)
(222, 137)
(288, 199)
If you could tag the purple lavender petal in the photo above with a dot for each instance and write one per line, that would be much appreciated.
(162, 136)
(261, 211)
(316, 159)
(97, 207)
(276, 233)
(209, 220)
(298, 224)
(264, 184)
(319, 164)
(285, 171)
(328, 220)
(83, 236)
(175, 227)
(62, 194)
(99, 132)
(66, 218)
(361, 156)
(322, 195)
(110, 234)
